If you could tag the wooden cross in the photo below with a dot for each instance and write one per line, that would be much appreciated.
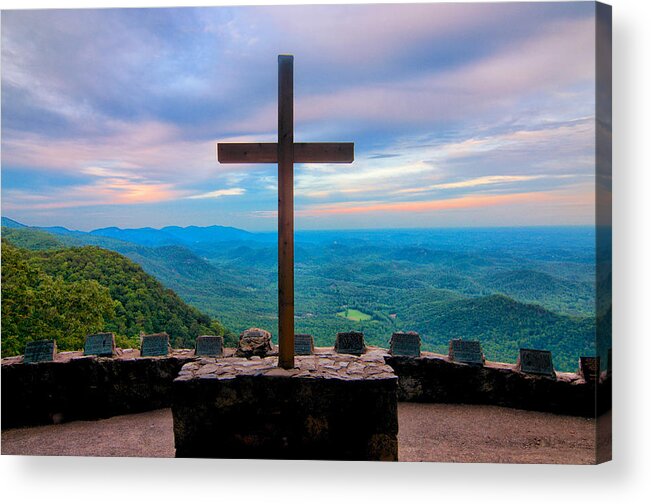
(285, 153)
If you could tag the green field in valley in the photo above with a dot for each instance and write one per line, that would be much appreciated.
(354, 315)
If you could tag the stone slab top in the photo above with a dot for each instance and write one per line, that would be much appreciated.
(120, 354)
(324, 363)
(321, 355)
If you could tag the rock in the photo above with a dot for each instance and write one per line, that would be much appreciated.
(254, 341)
(281, 372)
(207, 369)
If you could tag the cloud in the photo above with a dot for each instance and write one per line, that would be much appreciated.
(476, 100)
(426, 206)
(581, 202)
(106, 186)
(323, 180)
(390, 40)
(546, 155)
(234, 191)
(103, 192)
(536, 67)
(150, 150)
(480, 181)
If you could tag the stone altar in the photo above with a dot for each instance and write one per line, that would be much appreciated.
(329, 407)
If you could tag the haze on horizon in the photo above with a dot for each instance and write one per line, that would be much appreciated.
(463, 115)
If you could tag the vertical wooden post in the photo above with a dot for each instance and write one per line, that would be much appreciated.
(286, 211)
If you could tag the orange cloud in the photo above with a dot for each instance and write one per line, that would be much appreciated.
(103, 192)
(425, 206)
(123, 192)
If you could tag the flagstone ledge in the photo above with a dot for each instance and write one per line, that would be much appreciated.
(323, 364)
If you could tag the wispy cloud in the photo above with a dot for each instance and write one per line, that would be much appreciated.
(470, 90)
(104, 192)
(426, 206)
(233, 191)
(476, 182)
(580, 202)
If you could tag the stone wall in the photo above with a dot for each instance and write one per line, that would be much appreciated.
(434, 378)
(77, 387)
(330, 407)
(86, 387)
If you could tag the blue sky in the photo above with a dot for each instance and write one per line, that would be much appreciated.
(461, 114)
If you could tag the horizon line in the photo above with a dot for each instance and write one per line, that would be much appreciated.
(415, 228)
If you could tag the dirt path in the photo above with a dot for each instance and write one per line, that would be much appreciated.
(428, 432)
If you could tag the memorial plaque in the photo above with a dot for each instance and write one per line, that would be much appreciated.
(590, 368)
(536, 362)
(405, 343)
(350, 343)
(303, 344)
(209, 346)
(101, 344)
(154, 345)
(39, 351)
(466, 351)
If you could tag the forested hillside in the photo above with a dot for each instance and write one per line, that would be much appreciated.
(33, 239)
(504, 325)
(67, 293)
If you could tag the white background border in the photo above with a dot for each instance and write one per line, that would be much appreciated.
(626, 479)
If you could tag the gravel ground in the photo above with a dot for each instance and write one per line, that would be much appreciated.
(464, 433)
(142, 435)
(428, 432)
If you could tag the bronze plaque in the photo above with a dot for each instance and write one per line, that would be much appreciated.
(209, 346)
(101, 344)
(303, 344)
(590, 368)
(536, 362)
(405, 343)
(466, 351)
(39, 351)
(154, 345)
(350, 343)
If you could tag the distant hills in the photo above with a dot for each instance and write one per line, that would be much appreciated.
(33, 239)
(510, 287)
(151, 237)
(174, 235)
(12, 224)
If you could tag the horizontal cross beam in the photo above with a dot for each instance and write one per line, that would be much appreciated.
(312, 152)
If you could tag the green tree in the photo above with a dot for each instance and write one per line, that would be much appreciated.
(36, 305)
(65, 294)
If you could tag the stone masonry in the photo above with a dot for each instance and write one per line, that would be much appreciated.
(331, 406)
(75, 387)
(434, 378)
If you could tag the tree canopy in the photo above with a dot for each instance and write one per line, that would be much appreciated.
(66, 294)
